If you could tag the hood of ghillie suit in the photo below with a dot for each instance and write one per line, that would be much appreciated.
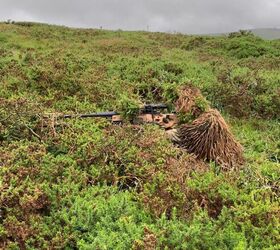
(208, 136)
(191, 102)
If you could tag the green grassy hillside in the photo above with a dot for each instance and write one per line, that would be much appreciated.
(91, 185)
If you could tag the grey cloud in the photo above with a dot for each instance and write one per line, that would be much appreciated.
(186, 16)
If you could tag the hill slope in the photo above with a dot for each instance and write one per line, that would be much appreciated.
(87, 184)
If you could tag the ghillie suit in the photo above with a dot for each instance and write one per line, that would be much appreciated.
(209, 138)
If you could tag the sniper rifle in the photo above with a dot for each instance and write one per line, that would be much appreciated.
(149, 113)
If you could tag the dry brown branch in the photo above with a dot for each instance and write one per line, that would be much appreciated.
(33, 132)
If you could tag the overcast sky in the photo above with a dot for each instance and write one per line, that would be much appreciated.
(186, 16)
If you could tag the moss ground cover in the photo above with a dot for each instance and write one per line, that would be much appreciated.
(90, 185)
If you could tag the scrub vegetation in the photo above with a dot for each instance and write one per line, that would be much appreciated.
(88, 184)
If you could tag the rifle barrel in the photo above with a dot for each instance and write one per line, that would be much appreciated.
(147, 109)
(100, 114)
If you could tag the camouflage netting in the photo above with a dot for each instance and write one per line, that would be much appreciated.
(208, 137)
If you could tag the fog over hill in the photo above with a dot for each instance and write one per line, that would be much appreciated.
(268, 33)
(265, 33)
(184, 16)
